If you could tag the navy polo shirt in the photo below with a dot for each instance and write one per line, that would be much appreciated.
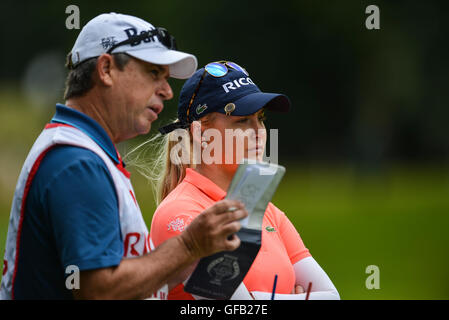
(71, 215)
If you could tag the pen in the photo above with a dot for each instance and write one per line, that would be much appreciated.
(309, 288)
(274, 286)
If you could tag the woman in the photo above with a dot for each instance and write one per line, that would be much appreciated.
(219, 97)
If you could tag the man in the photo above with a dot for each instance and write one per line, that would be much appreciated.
(74, 207)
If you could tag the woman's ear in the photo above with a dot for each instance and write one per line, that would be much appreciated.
(197, 131)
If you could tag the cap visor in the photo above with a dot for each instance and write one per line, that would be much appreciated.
(253, 102)
(181, 65)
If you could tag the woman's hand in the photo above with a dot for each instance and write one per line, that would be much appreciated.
(297, 289)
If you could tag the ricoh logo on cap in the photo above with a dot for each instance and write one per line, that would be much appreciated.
(234, 85)
(132, 32)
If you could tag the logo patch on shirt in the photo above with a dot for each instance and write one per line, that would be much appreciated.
(179, 223)
(270, 229)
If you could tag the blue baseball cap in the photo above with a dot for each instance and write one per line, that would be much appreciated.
(234, 93)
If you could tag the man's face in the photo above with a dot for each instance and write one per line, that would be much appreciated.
(139, 92)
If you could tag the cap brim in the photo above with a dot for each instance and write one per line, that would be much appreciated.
(181, 65)
(253, 102)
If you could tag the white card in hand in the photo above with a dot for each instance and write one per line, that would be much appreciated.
(254, 185)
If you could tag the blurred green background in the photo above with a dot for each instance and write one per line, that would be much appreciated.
(365, 146)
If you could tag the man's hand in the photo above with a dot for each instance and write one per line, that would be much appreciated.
(214, 230)
(137, 278)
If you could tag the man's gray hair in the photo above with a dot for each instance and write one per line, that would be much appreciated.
(79, 80)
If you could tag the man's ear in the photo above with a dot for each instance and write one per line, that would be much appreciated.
(105, 64)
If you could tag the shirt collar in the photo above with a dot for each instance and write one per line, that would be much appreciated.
(204, 184)
(89, 126)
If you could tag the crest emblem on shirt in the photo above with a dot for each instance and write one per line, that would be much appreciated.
(179, 223)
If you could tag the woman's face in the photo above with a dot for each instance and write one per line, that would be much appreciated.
(241, 137)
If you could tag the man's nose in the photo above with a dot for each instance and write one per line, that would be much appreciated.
(165, 91)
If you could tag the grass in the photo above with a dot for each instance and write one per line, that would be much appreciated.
(397, 221)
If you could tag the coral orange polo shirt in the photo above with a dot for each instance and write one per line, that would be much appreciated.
(281, 245)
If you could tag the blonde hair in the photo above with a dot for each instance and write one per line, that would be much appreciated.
(157, 162)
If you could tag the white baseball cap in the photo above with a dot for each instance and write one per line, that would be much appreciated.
(108, 30)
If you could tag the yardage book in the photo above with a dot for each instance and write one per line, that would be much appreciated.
(219, 275)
